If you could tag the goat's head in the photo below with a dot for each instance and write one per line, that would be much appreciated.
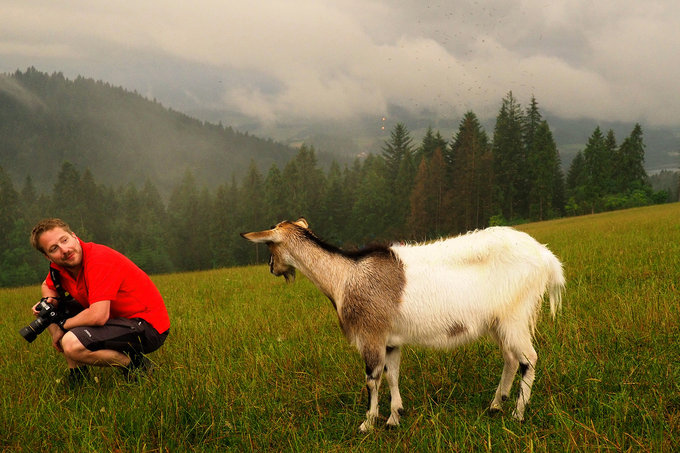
(276, 239)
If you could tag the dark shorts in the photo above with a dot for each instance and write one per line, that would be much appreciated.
(129, 336)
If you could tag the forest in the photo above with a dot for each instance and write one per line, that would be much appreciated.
(408, 192)
(120, 136)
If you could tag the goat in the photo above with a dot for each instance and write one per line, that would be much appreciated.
(440, 294)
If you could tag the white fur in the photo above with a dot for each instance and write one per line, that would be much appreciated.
(475, 280)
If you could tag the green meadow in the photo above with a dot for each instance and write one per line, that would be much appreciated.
(255, 364)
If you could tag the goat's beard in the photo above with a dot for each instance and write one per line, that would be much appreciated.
(289, 275)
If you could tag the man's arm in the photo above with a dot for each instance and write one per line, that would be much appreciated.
(96, 315)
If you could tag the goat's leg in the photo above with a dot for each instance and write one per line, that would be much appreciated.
(527, 358)
(392, 361)
(510, 365)
(375, 362)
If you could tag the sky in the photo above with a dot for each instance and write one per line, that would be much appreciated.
(269, 61)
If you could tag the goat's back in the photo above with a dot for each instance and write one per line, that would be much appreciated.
(473, 280)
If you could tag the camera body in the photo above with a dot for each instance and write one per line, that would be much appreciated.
(47, 314)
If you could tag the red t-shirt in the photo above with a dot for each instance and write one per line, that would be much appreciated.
(110, 275)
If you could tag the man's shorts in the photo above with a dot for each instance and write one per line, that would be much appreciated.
(129, 336)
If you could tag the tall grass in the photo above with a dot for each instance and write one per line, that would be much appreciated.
(253, 364)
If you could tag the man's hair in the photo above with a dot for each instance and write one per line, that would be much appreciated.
(47, 225)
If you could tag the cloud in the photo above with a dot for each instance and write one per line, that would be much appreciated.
(298, 60)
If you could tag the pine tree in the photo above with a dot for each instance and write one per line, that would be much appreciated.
(509, 160)
(67, 199)
(303, 183)
(630, 171)
(334, 209)
(577, 179)
(428, 199)
(598, 164)
(395, 150)
(401, 191)
(188, 213)
(225, 221)
(370, 213)
(275, 203)
(431, 142)
(545, 174)
(17, 260)
(418, 222)
(9, 204)
(469, 162)
(154, 255)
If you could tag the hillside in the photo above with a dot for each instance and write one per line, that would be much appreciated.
(255, 364)
(119, 135)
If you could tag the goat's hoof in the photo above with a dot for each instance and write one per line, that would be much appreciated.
(495, 410)
(366, 427)
(393, 422)
(517, 416)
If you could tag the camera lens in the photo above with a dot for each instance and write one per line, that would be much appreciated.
(31, 331)
(28, 333)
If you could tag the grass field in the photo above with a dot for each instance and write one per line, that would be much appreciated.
(253, 364)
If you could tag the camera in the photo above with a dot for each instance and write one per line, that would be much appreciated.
(47, 314)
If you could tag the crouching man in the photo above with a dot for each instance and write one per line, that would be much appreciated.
(123, 315)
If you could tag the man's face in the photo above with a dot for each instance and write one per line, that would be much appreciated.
(62, 248)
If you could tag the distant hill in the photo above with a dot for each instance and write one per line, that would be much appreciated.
(119, 135)
(364, 134)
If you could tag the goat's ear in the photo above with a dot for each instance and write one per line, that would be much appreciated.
(259, 236)
(302, 222)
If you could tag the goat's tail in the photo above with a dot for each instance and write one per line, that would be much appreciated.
(556, 282)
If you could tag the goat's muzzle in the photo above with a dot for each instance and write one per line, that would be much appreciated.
(288, 274)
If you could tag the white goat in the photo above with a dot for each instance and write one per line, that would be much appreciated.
(441, 294)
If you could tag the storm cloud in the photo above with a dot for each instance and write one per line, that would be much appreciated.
(297, 60)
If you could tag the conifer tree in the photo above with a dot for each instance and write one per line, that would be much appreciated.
(469, 162)
(188, 215)
(334, 209)
(370, 214)
(67, 199)
(545, 174)
(395, 150)
(225, 221)
(631, 173)
(9, 204)
(275, 203)
(418, 222)
(509, 160)
(303, 184)
(431, 142)
(598, 162)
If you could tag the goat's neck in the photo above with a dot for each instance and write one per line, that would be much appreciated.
(327, 270)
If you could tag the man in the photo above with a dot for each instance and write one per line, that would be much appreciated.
(123, 315)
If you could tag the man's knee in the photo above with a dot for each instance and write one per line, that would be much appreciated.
(71, 345)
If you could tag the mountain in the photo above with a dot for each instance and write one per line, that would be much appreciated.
(364, 134)
(123, 137)
(120, 136)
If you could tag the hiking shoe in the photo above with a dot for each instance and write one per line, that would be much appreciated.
(139, 365)
(76, 377)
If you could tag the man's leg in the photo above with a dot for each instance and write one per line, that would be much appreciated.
(76, 354)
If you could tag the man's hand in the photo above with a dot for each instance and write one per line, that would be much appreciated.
(50, 299)
(57, 335)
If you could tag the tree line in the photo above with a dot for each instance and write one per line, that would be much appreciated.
(409, 191)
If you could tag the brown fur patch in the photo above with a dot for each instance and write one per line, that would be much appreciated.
(373, 295)
(456, 329)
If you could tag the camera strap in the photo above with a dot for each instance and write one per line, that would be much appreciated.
(56, 281)
(67, 304)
